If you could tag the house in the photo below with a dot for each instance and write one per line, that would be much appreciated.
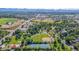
(14, 46)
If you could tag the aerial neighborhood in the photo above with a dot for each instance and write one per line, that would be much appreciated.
(39, 30)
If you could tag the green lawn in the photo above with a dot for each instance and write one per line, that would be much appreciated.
(45, 21)
(14, 41)
(38, 37)
(5, 20)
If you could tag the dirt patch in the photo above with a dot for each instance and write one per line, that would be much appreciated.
(46, 39)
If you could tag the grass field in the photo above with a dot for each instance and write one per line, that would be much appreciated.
(46, 21)
(14, 41)
(5, 20)
(38, 37)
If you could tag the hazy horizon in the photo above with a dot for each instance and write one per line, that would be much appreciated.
(45, 8)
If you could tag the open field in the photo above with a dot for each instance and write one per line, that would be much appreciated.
(40, 37)
(46, 21)
(14, 41)
(6, 20)
(10, 23)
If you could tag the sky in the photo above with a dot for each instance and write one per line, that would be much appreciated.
(40, 4)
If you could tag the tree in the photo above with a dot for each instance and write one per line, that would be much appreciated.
(76, 46)
(69, 39)
(67, 48)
